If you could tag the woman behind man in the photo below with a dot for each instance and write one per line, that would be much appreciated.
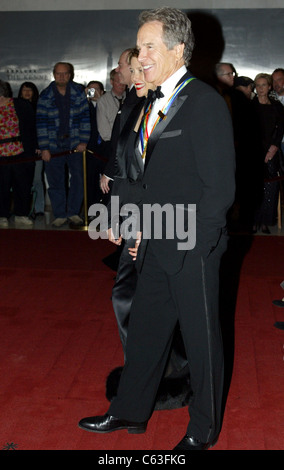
(270, 122)
(17, 141)
(127, 185)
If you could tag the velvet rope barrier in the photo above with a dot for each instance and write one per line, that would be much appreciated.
(12, 160)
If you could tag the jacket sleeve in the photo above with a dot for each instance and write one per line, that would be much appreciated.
(42, 124)
(214, 153)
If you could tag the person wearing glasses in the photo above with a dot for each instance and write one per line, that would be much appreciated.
(225, 76)
(226, 73)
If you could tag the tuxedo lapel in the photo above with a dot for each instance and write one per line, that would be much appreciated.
(161, 127)
(125, 135)
(138, 158)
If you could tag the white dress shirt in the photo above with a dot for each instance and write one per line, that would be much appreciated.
(167, 89)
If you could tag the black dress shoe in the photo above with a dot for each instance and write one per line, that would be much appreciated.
(107, 423)
(279, 325)
(279, 303)
(190, 443)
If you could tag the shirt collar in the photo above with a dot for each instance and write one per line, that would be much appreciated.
(169, 85)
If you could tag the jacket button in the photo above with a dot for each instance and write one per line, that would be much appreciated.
(145, 186)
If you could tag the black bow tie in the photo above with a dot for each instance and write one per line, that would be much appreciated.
(155, 94)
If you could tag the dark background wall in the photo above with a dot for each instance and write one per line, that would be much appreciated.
(33, 41)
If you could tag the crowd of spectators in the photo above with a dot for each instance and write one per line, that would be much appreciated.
(256, 107)
(41, 148)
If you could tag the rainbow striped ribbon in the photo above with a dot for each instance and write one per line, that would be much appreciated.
(144, 134)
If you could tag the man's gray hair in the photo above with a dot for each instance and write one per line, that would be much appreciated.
(176, 28)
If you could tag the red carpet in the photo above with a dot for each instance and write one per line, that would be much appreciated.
(59, 342)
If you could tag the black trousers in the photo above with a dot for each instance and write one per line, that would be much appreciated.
(190, 297)
(122, 296)
(123, 290)
(19, 178)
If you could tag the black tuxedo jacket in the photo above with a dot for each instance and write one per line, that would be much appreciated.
(190, 160)
(125, 169)
(129, 166)
(122, 118)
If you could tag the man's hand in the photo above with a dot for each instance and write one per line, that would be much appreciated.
(133, 251)
(81, 148)
(271, 152)
(46, 155)
(116, 241)
(104, 184)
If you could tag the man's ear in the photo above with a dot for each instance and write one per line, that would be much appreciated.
(179, 48)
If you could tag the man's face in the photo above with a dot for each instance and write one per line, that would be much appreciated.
(226, 75)
(123, 70)
(117, 86)
(278, 82)
(157, 61)
(62, 75)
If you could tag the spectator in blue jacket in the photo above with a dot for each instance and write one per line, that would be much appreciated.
(63, 127)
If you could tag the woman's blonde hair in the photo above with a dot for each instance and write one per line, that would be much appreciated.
(266, 76)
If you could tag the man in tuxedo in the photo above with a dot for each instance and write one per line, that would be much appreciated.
(129, 168)
(189, 160)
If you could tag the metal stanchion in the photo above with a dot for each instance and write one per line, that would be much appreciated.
(84, 226)
(85, 191)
